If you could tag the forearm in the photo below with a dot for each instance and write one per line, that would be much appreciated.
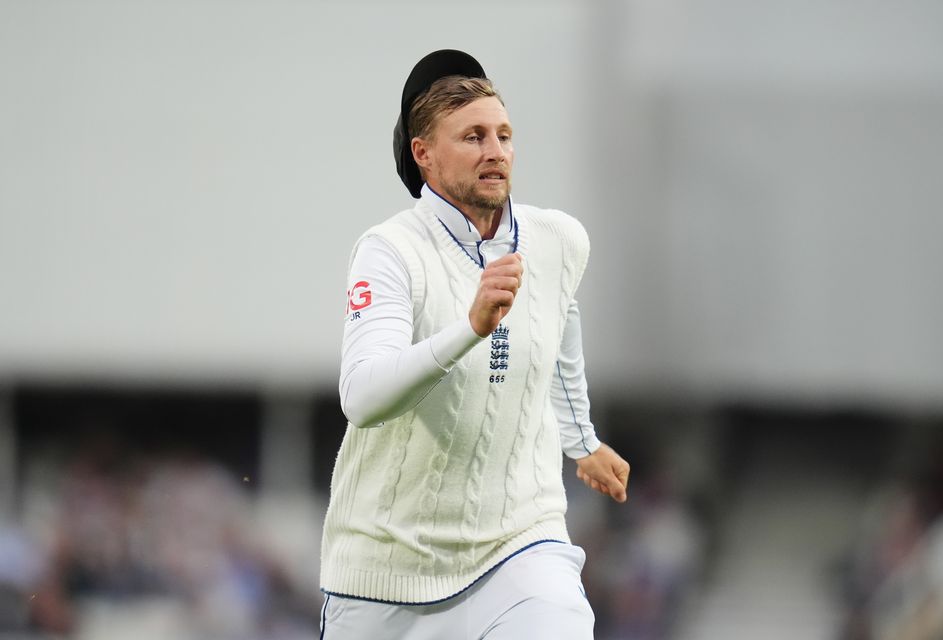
(393, 380)
(571, 407)
(569, 394)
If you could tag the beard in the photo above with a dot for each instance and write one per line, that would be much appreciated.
(466, 193)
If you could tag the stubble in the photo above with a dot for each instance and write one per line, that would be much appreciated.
(466, 193)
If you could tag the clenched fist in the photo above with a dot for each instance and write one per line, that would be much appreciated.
(605, 471)
(500, 281)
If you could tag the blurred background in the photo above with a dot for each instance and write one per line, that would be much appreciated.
(181, 183)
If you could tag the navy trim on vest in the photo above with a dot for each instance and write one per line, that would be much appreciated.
(467, 221)
(457, 593)
(516, 229)
(512, 226)
(449, 231)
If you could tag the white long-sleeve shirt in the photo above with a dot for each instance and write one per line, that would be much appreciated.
(383, 374)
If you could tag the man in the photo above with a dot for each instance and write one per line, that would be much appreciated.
(462, 378)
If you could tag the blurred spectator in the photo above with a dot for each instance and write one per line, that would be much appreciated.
(895, 576)
(21, 566)
(168, 537)
(645, 565)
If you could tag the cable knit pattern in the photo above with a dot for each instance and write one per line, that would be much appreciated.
(473, 489)
(549, 437)
(426, 504)
(394, 465)
(447, 427)
(400, 429)
(530, 385)
(511, 495)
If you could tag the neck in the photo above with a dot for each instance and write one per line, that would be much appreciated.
(486, 221)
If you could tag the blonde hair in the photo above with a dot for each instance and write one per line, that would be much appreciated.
(444, 96)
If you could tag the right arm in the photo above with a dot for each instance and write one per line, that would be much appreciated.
(384, 375)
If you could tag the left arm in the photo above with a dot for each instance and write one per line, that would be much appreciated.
(568, 391)
(598, 465)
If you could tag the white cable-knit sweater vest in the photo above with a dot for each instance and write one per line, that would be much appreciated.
(426, 504)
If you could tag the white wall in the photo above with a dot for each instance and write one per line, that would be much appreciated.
(180, 183)
(779, 197)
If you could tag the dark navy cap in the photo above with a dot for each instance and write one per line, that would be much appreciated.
(438, 64)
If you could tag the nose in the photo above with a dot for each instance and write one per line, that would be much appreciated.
(493, 149)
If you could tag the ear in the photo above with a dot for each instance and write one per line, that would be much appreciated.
(422, 152)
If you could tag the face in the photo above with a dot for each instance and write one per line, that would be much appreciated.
(469, 157)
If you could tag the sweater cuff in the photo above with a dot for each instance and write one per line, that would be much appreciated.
(449, 345)
(586, 445)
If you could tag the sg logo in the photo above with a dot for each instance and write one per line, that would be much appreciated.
(359, 296)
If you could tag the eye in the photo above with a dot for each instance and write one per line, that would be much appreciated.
(472, 137)
(504, 137)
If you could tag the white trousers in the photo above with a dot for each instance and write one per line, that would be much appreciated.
(534, 594)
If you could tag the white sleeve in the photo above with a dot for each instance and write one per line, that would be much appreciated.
(569, 394)
(383, 374)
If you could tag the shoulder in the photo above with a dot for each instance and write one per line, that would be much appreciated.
(553, 228)
(405, 227)
(373, 251)
(555, 222)
(393, 248)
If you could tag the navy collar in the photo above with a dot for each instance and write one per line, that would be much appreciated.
(461, 228)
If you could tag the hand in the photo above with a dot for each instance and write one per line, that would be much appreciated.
(605, 471)
(500, 281)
